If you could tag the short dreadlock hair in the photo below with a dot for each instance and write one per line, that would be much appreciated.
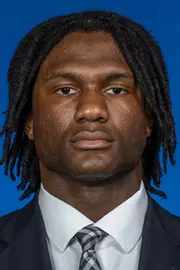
(143, 56)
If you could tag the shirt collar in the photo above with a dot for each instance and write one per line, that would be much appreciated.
(62, 221)
(124, 223)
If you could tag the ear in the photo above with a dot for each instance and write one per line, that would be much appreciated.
(149, 125)
(29, 126)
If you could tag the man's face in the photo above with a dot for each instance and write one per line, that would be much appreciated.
(87, 116)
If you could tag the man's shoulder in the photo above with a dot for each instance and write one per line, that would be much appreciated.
(165, 214)
(165, 220)
(4, 220)
(16, 219)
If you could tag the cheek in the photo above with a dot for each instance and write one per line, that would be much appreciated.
(51, 120)
(130, 120)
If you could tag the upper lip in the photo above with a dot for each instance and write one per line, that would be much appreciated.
(91, 136)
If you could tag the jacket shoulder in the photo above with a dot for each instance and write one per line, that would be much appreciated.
(168, 216)
(4, 220)
(13, 222)
(168, 222)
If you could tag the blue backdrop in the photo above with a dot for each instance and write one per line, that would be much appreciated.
(160, 17)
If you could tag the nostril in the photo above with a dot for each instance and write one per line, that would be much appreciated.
(92, 119)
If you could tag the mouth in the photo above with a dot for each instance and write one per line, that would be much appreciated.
(91, 144)
(91, 140)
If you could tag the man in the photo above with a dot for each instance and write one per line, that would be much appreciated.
(89, 109)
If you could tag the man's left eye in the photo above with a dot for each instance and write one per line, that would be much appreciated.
(116, 91)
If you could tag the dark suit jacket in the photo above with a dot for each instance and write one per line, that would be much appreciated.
(23, 240)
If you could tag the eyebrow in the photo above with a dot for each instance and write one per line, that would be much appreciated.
(74, 76)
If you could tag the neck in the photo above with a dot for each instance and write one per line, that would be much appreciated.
(93, 201)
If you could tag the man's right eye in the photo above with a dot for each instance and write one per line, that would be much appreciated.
(65, 91)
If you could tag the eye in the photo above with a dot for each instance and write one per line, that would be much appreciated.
(116, 91)
(65, 91)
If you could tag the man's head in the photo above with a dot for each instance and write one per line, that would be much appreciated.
(88, 72)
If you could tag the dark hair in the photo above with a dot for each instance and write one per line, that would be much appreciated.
(145, 59)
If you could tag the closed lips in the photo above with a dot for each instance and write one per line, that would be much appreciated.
(91, 136)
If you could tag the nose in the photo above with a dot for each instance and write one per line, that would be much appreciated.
(92, 107)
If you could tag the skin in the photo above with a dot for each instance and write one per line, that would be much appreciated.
(98, 180)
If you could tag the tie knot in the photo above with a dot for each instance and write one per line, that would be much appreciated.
(89, 236)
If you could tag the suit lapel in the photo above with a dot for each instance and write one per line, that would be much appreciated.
(160, 250)
(28, 249)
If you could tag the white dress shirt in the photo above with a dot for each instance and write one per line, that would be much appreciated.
(120, 250)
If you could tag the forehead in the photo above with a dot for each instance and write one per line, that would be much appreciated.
(88, 49)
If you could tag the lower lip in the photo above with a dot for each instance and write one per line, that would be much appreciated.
(94, 144)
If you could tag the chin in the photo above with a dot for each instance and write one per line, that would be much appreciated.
(93, 178)
(98, 171)
(93, 167)
(93, 173)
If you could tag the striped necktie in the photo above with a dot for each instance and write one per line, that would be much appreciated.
(88, 237)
